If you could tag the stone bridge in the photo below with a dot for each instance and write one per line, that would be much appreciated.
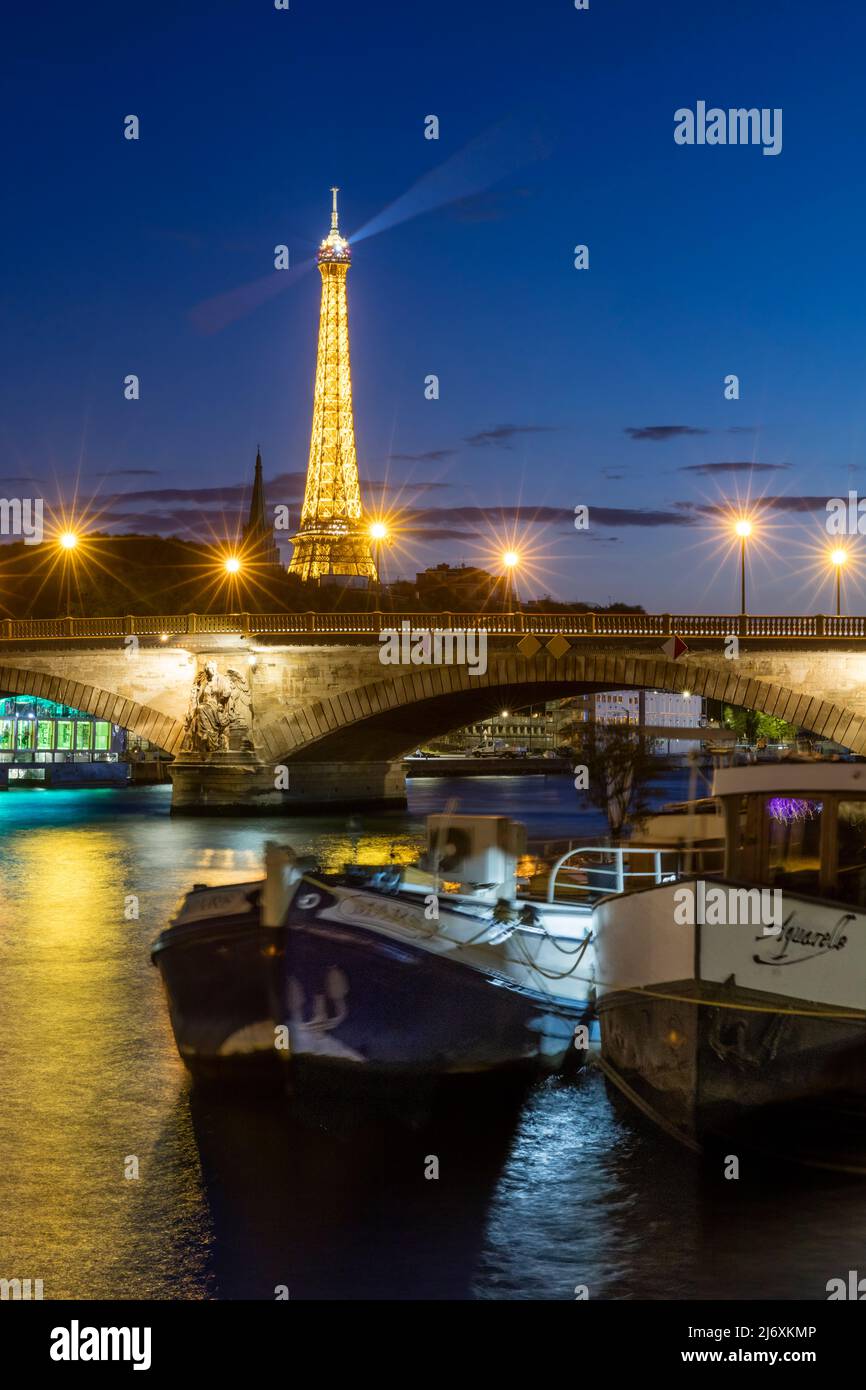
(330, 722)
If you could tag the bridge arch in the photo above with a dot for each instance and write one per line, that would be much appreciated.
(159, 729)
(384, 719)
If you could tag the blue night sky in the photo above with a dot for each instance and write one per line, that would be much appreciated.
(556, 128)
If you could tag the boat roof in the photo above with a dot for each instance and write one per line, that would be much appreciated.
(774, 778)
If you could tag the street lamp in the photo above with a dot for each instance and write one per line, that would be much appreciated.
(743, 529)
(67, 542)
(232, 565)
(838, 559)
(510, 560)
(378, 533)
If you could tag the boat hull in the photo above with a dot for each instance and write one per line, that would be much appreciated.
(369, 989)
(692, 1041)
(755, 1071)
(218, 981)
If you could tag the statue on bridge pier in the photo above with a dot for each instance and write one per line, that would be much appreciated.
(220, 713)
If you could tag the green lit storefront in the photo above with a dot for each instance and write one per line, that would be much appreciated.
(46, 744)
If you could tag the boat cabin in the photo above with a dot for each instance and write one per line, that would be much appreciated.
(472, 851)
(797, 826)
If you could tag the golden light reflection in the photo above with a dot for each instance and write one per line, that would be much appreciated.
(90, 1068)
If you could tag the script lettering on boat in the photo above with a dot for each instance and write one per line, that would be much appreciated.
(811, 943)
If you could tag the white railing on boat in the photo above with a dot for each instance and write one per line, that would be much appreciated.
(613, 864)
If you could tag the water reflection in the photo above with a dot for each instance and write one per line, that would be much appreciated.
(344, 1210)
(560, 1188)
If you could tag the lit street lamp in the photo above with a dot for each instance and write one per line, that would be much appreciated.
(67, 542)
(510, 560)
(378, 533)
(743, 529)
(837, 560)
(232, 565)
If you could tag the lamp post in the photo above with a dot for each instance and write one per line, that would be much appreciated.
(68, 542)
(510, 560)
(378, 533)
(232, 565)
(838, 559)
(743, 529)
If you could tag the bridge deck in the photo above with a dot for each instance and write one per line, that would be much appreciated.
(789, 627)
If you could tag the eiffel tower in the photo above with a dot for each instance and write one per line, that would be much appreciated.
(332, 538)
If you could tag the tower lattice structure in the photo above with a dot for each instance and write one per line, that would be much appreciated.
(332, 538)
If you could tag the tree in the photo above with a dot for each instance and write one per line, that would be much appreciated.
(749, 725)
(620, 768)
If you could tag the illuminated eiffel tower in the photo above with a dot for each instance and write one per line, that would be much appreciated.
(332, 538)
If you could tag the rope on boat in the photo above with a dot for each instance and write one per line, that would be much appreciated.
(845, 1016)
(855, 1016)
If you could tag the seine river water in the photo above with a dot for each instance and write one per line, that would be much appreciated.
(234, 1199)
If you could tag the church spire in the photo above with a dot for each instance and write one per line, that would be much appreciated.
(258, 536)
(257, 501)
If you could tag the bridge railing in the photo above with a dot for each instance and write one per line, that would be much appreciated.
(787, 627)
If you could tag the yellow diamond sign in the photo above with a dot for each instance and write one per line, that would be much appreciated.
(528, 645)
(557, 646)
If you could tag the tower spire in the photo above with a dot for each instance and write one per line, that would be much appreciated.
(332, 538)
(258, 536)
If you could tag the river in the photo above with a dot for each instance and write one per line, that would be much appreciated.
(235, 1199)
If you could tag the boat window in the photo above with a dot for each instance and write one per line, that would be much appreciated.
(743, 835)
(26, 733)
(794, 842)
(102, 735)
(851, 881)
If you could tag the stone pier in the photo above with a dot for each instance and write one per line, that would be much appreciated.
(240, 784)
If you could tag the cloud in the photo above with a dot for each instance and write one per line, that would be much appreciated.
(471, 517)
(661, 432)
(709, 470)
(781, 503)
(208, 512)
(128, 473)
(501, 435)
(231, 492)
(428, 456)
